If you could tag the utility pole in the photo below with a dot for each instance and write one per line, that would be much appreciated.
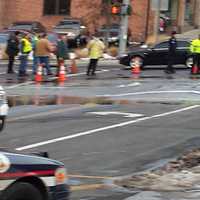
(157, 20)
(107, 7)
(123, 29)
(197, 14)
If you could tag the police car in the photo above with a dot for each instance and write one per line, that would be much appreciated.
(31, 177)
(3, 108)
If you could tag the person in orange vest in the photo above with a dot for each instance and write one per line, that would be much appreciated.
(95, 48)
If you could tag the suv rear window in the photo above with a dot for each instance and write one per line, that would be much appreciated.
(161, 45)
(69, 23)
(183, 44)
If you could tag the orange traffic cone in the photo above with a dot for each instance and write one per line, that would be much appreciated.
(62, 73)
(38, 76)
(73, 67)
(136, 67)
(194, 69)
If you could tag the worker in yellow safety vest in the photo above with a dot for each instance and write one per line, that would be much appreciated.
(195, 50)
(25, 49)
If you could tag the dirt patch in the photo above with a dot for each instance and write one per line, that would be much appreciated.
(177, 175)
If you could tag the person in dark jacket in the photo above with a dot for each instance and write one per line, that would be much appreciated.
(62, 50)
(171, 53)
(12, 50)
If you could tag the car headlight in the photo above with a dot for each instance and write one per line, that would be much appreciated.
(61, 176)
(123, 55)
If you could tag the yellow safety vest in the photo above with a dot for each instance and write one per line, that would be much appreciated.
(95, 48)
(195, 46)
(27, 46)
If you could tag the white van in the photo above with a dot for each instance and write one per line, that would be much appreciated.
(3, 108)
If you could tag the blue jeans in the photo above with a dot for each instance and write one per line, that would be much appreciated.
(23, 64)
(35, 64)
(45, 61)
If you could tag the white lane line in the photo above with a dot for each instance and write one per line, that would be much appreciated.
(68, 137)
(82, 73)
(54, 78)
(150, 92)
(20, 84)
(129, 85)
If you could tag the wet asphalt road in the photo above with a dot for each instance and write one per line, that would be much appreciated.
(67, 121)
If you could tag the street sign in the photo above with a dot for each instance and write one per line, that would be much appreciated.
(164, 5)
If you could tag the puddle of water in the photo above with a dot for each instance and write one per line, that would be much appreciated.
(41, 100)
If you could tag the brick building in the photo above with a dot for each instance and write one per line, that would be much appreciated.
(183, 13)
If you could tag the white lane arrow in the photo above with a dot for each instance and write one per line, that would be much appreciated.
(131, 115)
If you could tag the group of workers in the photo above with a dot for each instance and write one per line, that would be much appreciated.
(40, 47)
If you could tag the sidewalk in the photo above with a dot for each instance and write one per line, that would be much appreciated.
(192, 34)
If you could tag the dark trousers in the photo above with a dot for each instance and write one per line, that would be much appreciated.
(92, 66)
(170, 63)
(23, 64)
(196, 58)
(11, 59)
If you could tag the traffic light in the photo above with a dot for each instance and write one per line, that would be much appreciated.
(115, 10)
(126, 10)
(116, 7)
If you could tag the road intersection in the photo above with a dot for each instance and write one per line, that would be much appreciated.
(106, 127)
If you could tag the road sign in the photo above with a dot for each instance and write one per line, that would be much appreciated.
(164, 5)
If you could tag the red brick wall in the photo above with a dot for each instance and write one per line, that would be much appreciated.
(89, 11)
(138, 19)
(21, 10)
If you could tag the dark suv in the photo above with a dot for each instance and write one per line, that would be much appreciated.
(111, 34)
(158, 54)
(32, 26)
(74, 29)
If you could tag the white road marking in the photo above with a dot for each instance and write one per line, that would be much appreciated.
(129, 85)
(151, 92)
(132, 115)
(82, 73)
(53, 78)
(20, 84)
(68, 137)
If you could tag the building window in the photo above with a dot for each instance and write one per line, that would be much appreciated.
(57, 7)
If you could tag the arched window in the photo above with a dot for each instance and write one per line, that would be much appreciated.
(56, 7)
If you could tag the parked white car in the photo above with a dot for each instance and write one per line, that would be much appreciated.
(3, 108)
